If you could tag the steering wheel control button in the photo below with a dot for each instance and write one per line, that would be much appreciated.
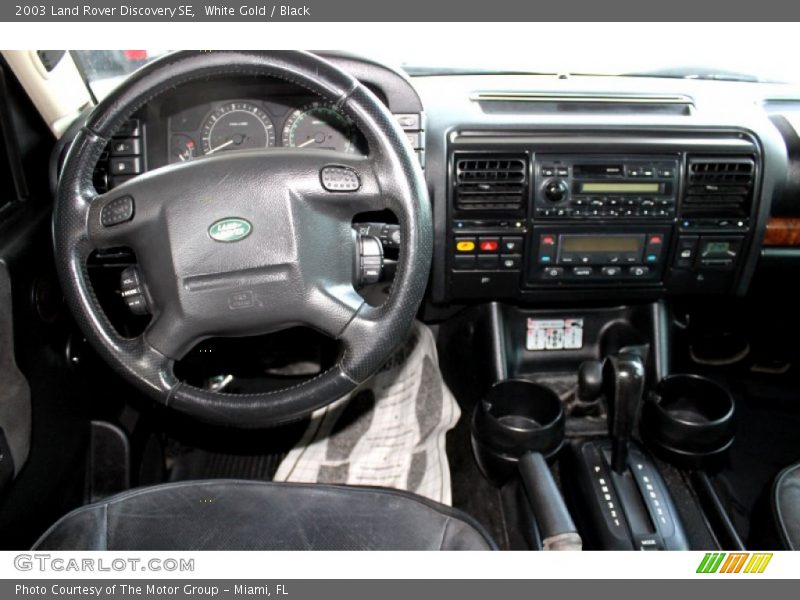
(370, 260)
(132, 291)
(340, 179)
(117, 211)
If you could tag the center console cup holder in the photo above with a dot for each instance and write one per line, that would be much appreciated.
(515, 417)
(689, 421)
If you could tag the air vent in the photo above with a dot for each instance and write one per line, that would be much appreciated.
(491, 182)
(719, 187)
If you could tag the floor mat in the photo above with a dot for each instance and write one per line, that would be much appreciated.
(388, 433)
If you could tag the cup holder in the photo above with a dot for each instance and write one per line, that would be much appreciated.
(689, 420)
(515, 417)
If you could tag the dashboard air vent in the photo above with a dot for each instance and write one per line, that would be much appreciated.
(719, 187)
(491, 182)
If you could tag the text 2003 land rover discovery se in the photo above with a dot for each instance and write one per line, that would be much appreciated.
(283, 300)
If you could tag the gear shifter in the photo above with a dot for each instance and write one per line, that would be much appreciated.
(623, 380)
(615, 490)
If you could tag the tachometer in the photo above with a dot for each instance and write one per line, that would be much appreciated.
(237, 126)
(319, 125)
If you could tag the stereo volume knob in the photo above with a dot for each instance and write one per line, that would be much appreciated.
(555, 190)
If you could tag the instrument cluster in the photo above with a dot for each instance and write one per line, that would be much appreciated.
(246, 124)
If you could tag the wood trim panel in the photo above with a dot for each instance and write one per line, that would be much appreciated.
(782, 232)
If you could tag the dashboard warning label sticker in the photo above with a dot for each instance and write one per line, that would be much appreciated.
(554, 334)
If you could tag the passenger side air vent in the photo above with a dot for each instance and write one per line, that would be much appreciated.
(719, 187)
(491, 182)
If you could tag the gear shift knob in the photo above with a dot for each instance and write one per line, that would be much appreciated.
(623, 380)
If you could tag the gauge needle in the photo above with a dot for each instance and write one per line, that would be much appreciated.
(307, 142)
(220, 147)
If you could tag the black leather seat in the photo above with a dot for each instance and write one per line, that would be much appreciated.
(786, 506)
(249, 515)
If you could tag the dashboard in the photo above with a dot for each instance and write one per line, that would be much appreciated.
(543, 189)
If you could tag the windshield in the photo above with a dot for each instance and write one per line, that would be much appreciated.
(636, 51)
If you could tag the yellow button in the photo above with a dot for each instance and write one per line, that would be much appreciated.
(465, 246)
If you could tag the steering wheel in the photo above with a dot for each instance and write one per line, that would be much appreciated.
(245, 243)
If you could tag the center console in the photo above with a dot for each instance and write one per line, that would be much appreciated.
(532, 216)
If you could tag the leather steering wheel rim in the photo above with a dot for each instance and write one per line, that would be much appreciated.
(390, 178)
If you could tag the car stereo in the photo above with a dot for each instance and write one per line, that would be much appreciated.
(605, 187)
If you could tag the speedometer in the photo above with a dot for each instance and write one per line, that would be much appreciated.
(237, 126)
(319, 125)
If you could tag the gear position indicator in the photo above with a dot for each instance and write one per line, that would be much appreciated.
(554, 334)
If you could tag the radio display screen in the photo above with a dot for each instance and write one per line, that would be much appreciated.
(600, 243)
(622, 187)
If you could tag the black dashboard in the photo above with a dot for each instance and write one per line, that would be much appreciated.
(543, 189)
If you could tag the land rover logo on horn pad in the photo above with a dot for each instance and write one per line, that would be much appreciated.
(230, 230)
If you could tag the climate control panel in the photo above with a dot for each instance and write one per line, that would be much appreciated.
(567, 254)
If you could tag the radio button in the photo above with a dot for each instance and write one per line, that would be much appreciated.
(665, 172)
(548, 171)
(639, 271)
(582, 271)
(512, 245)
(553, 272)
(562, 171)
(510, 262)
(611, 271)
(647, 172)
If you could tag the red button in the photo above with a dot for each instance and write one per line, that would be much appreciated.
(656, 239)
(489, 246)
(548, 240)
